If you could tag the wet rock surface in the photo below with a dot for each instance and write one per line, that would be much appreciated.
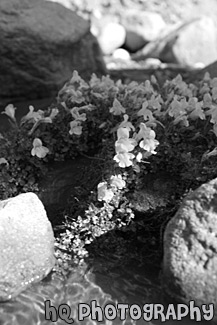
(41, 44)
(190, 248)
(26, 244)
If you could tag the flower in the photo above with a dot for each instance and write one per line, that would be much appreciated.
(139, 157)
(117, 181)
(10, 111)
(213, 113)
(126, 123)
(75, 127)
(143, 132)
(145, 112)
(4, 161)
(214, 93)
(53, 113)
(177, 108)
(125, 145)
(117, 108)
(124, 159)
(149, 145)
(38, 149)
(104, 194)
(197, 112)
(34, 116)
(77, 116)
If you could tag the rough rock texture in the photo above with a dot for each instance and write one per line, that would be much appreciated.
(189, 44)
(26, 244)
(190, 248)
(141, 28)
(41, 44)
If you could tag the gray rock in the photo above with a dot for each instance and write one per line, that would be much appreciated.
(42, 42)
(156, 192)
(141, 28)
(190, 248)
(111, 37)
(26, 244)
(189, 44)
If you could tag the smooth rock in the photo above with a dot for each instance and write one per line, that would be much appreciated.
(141, 27)
(188, 44)
(26, 244)
(121, 54)
(112, 36)
(196, 43)
(42, 42)
(190, 248)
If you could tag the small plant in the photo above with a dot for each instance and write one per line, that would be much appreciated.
(134, 129)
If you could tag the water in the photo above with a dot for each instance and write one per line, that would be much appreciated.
(108, 282)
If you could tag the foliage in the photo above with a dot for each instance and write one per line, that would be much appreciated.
(135, 129)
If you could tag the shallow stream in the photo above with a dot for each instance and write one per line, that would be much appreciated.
(132, 283)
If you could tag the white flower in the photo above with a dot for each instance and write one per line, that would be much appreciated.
(117, 181)
(10, 111)
(104, 194)
(3, 161)
(117, 108)
(38, 149)
(75, 127)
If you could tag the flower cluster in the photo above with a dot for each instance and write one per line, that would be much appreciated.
(123, 147)
(141, 127)
(106, 193)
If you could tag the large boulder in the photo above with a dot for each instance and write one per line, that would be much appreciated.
(26, 244)
(141, 27)
(112, 36)
(189, 44)
(190, 248)
(42, 42)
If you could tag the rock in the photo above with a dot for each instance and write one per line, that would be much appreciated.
(26, 244)
(141, 28)
(156, 191)
(121, 54)
(196, 43)
(189, 44)
(199, 74)
(42, 42)
(190, 248)
(112, 36)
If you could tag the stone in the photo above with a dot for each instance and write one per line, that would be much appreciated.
(156, 192)
(26, 244)
(190, 44)
(199, 74)
(121, 54)
(141, 27)
(112, 36)
(190, 248)
(42, 42)
(196, 43)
